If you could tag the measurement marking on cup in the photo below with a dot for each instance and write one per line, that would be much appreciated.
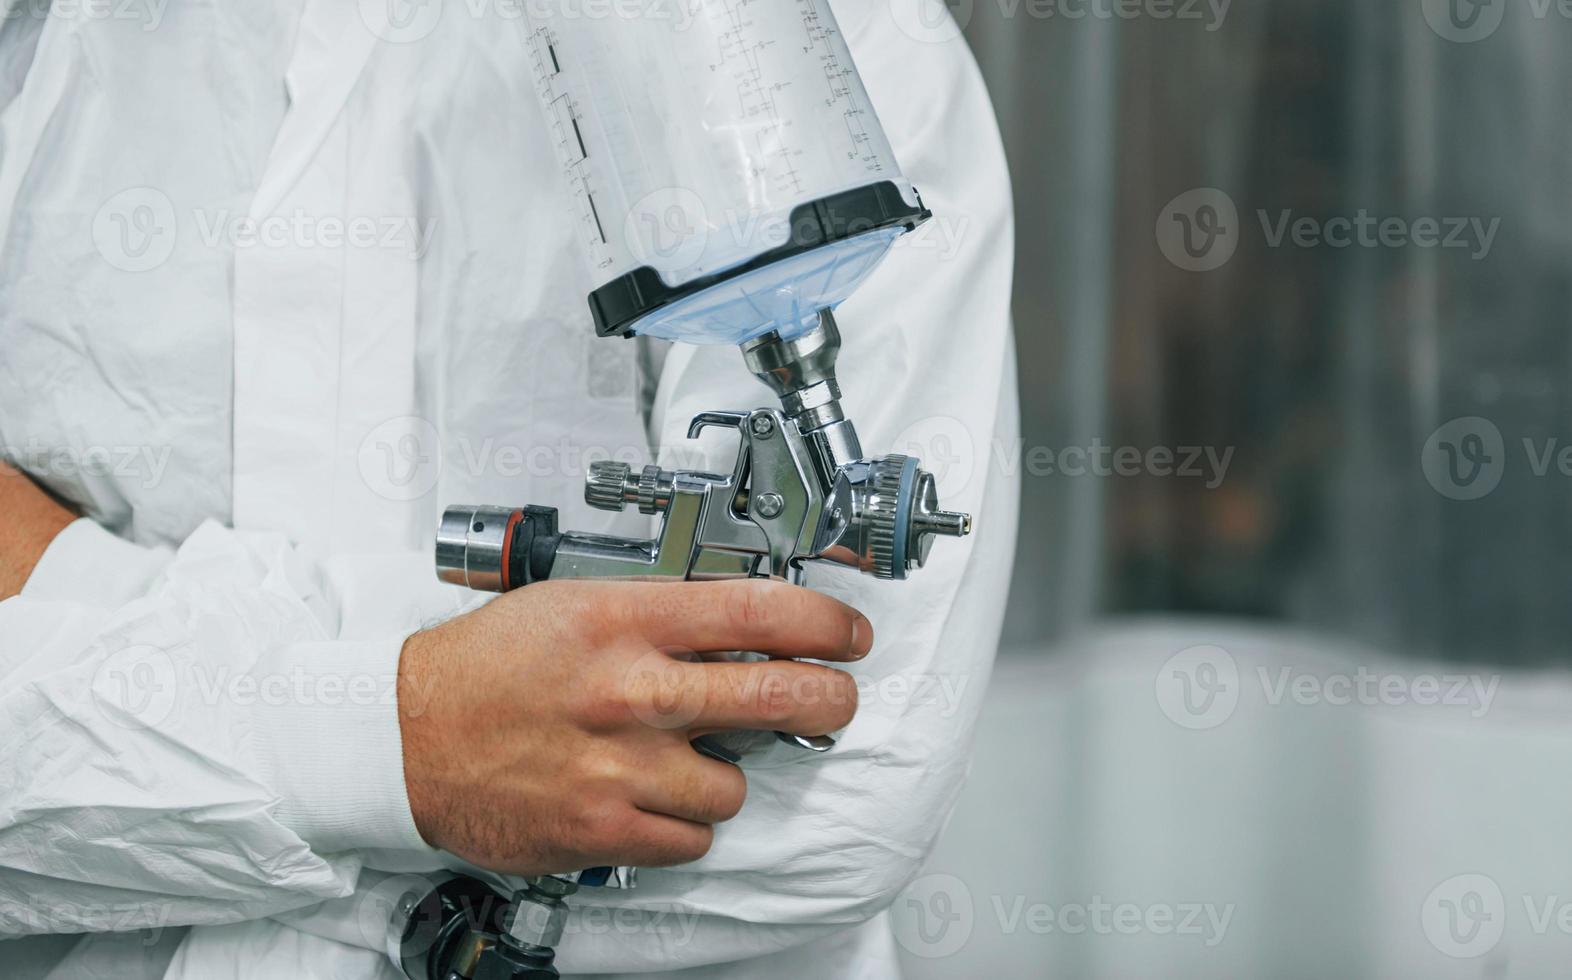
(595, 213)
(556, 66)
(580, 137)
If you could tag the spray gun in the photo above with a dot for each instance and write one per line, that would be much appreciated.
(799, 490)
(755, 191)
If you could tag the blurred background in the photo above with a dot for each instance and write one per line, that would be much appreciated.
(1314, 692)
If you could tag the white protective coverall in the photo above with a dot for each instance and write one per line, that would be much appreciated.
(283, 278)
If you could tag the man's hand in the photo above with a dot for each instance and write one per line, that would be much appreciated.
(32, 518)
(548, 731)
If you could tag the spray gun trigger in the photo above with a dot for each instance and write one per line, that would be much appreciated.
(716, 420)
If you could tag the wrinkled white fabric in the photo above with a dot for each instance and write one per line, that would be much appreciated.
(262, 417)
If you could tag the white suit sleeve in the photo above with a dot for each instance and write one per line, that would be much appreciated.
(195, 736)
(927, 369)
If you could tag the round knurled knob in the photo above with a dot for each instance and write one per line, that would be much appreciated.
(605, 487)
(649, 488)
(882, 515)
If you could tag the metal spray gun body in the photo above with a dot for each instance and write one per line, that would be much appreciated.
(799, 490)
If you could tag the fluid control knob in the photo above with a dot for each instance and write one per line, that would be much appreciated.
(899, 513)
(606, 486)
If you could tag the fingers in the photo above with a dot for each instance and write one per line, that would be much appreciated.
(684, 784)
(750, 614)
(656, 840)
(689, 698)
(802, 699)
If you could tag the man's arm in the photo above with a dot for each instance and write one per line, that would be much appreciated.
(218, 749)
(32, 519)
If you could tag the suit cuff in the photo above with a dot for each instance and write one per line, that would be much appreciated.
(329, 740)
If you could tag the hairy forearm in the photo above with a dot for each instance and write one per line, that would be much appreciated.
(29, 520)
